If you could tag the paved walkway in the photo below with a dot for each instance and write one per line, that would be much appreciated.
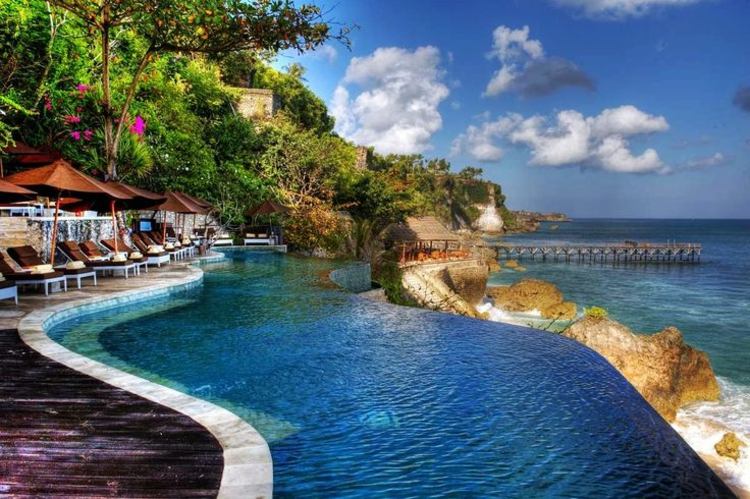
(65, 433)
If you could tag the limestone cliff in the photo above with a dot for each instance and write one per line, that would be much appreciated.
(489, 217)
(662, 367)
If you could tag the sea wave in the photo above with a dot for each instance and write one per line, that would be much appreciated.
(703, 424)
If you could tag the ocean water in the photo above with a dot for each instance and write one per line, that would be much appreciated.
(365, 399)
(709, 302)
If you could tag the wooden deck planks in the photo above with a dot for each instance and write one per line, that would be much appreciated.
(66, 434)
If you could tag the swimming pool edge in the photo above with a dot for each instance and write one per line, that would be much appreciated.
(248, 466)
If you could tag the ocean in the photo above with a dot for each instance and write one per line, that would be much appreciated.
(709, 302)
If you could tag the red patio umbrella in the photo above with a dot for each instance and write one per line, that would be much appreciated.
(60, 178)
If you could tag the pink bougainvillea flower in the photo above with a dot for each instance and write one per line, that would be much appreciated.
(88, 135)
(82, 89)
(75, 135)
(47, 103)
(72, 119)
(138, 127)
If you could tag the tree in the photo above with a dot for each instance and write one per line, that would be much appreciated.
(201, 26)
(471, 173)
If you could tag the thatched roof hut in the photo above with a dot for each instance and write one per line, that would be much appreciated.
(420, 229)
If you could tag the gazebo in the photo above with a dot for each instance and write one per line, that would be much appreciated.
(423, 238)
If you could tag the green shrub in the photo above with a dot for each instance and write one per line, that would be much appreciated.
(596, 312)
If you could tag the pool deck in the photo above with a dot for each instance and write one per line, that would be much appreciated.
(70, 425)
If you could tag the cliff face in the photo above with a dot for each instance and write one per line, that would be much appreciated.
(489, 219)
(668, 372)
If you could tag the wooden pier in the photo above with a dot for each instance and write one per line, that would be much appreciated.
(627, 252)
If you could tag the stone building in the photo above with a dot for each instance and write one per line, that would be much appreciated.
(257, 103)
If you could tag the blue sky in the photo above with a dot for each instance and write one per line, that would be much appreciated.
(611, 108)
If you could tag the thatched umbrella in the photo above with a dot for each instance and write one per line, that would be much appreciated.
(267, 207)
(12, 193)
(176, 203)
(60, 178)
(203, 204)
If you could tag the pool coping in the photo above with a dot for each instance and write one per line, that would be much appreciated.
(248, 466)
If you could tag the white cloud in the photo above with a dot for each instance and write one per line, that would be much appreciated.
(480, 141)
(716, 159)
(599, 141)
(526, 70)
(396, 110)
(326, 52)
(620, 9)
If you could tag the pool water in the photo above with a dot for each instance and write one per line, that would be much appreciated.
(365, 399)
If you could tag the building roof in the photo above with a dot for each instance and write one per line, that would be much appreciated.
(420, 229)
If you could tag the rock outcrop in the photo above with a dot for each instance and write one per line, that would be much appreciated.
(533, 294)
(666, 371)
(729, 446)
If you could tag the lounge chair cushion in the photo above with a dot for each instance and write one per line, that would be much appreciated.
(26, 256)
(135, 255)
(30, 276)
(42, 269)
(155, 250)
(75, 265)
(120, 257)
(84, 270)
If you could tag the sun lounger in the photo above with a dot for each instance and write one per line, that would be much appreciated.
(258, 238)
(223, 239)
(97, 261)
(32, 277)
(176, 252)
(153, 257)
(132, 256)
(28, 259)
(8, 290)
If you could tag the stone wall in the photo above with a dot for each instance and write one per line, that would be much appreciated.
(468, 279)
(257, 103)
(356, 278)
(37, 232)
(454, 287)
(363, 154)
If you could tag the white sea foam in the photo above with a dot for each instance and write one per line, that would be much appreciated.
(702, 425)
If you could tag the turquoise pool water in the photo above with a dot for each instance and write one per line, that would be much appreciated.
(364, 399)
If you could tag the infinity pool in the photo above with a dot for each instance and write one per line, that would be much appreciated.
(364, 399)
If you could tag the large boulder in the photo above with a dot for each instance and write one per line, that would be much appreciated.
(533, 294)
(668, 372)
(564, 311)
(729, 446)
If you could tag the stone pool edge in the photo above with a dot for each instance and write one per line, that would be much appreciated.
(248, 467)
